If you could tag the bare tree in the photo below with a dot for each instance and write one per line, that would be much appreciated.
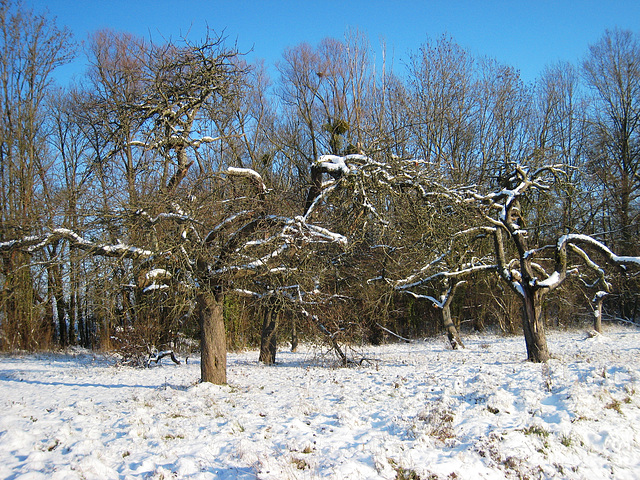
(503, 115)
(534, 271)
(31, 47)
(445, 107)
(531, 271)
(612, 70)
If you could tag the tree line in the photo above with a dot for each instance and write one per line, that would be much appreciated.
(176, 191)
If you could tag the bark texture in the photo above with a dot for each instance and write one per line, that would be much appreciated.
(533, 326)
(213, 340)
(268, 343)
(450, 328)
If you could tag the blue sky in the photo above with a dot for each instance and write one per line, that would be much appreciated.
(525, 34)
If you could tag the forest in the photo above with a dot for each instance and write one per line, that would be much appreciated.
(176, 196)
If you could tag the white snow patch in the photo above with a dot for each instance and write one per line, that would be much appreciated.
(333, 163)
(155, 286)
(248, 173)
(158, 273)
(551, 281)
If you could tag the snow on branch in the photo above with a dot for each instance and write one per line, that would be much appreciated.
(322, 233)
(33, 243)
(252, 175)
(410, 282)
(599, 246)
(338, 166)
(292, 230)
(519, 182)
(177, 217)
(429, 298)
(328, 188)
(227, 221)
(461, 272)
(254, 265)
(333, 164)
(154, 287)
(406, 281)
(592, 265)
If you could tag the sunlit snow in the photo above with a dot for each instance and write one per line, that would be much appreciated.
(410, 408)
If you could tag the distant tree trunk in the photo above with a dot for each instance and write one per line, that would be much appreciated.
(447, 321)
(56, 291)
(73, 297)
(294, 334)
(268, 340)
(213, 341)
(450, 328)
(19, 298)
(597, 321)
(533, 326)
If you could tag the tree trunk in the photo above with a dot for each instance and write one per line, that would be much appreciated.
(57, 293)
(533, 326)
(450, 328)
(597, 312)
(213, 341)
(294, 334)
(73, 299)
(268, 341)
(597, 321)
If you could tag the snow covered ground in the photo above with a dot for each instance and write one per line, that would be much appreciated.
(414, 411)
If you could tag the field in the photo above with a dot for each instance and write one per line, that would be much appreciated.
(410, 411)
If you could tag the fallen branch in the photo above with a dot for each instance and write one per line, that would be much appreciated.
(407, 340)
(156, 357)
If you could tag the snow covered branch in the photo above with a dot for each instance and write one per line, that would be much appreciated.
(176, 217)
(250, 174)
(586, 240)
(464, 271)
(33, 243)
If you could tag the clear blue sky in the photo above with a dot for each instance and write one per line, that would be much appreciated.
(525, 34)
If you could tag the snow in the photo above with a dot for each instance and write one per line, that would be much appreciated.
(158, 273)
(155, 286)
(248, 173)
(552, 281)
(333, 163)
(623, 260)
(483, 412)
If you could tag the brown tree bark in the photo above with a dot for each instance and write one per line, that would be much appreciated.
(294, 334)
(533, 326)
(213, 340)
(447, 321)
(450, 328)
(598, 300)
(268, 340)
(57, 290)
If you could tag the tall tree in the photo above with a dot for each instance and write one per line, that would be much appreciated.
(612, 71)
(444, 107)
(31, 47)
(503, 116)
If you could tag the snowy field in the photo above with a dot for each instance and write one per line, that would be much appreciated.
(415, 411)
